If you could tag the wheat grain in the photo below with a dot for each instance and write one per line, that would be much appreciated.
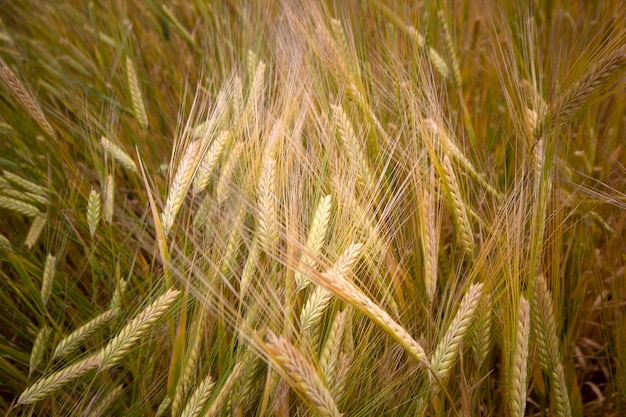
(36, 227)
(125, 340)
(180, 185)
(139, 109)
(300, 374)
(118, 154)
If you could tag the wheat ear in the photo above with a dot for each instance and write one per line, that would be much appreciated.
(125, 340)
(35, 230)
(26, 196)
(109, 198)
(315, 240)
(198, 399)
(71, 341)
(46, 386)
(546, 336)
(450, 49)
(481, 337)
(180, 185)
(106, 401)
(350, 141)
(518, 387)
(5, 243)
(464, 229)
(320, 297)
(447, 350)
(267, 223)
(139, 109)
(438, 63)
(36, 354)
(118, 154)
(430, 243)
(48, 277)
(300, 374)
(178, 27)
(26, 184)
(351, 294)
(19, 206)
(572, 99)
(94, 211)
(25, 98)
(220, 398)
(208, 162)
(330, 353)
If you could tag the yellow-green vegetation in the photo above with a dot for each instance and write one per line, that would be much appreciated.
(305, 208)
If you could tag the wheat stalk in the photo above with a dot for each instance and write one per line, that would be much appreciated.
(125, 340)
(25, 98)
(139, 108)
(118, 154)
(180, 185)
(300, 374)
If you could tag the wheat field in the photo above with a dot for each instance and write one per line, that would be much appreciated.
(303, 208)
